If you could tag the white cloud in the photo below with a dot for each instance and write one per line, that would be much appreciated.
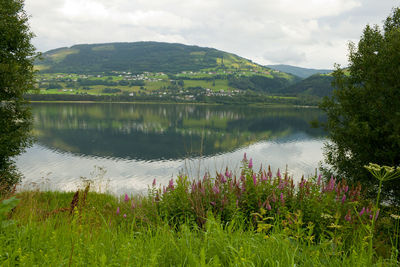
(310, 33)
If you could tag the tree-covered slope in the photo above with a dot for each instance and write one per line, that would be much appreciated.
(138, 57)
(316, 85)
(298, 71)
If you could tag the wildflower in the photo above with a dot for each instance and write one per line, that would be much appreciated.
(326, 216)
(244, 157)
(263, 176)
(124, 215)
(254, 179)
(216, 189)
(228, 174)
(154, 182)
(319, 180)
(377, 214)
(126, 199)
(282, 199)
(171, 184)
(343, 198)
(278, 174)
(222, 178)
(212, 203)
(251, 163)
(348, 216)
(395, 216)
(362, 211)
(268, 206)
(118, 211)
(346, 188)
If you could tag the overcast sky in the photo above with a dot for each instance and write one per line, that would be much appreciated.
(307, 33)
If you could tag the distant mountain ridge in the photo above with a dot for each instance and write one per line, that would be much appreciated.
(138, 57)
(299, 71)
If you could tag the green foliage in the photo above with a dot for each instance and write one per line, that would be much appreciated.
(5, 207)
(364, 111)
(16, 77)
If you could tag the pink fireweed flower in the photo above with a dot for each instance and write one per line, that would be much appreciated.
(268, 206)
(154, 182)
(215, 189)
(117, 211)
(362, 211)
(377, 214)
(254, 179)
(228, 174)
(222, 179)
(164, 190)
(346, 188)
(278, 174)
(282, 199)
(348, 216)
(171, 184)
(193, 187)
(244, 157)
(124, 215)
(319, 179)
(126, 199)
(263, 176)
(251, 163)
(343, 198)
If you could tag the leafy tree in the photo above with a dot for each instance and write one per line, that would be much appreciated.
(16, 77)
(364, 111)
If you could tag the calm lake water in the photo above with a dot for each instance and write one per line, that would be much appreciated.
(123, 147)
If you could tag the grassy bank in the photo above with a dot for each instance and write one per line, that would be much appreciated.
(257, 219)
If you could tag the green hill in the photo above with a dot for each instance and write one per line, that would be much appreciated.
(298, 71)
(153, 67)
(140, 57)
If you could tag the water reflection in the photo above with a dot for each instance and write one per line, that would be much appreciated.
(155, 132)
(136, 143)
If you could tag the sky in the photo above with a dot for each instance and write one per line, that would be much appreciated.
(306, 33)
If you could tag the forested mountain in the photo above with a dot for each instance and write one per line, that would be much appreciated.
(139, 57)
(316, 85)
(298, 71)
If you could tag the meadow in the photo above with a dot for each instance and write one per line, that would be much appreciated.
(255, 218)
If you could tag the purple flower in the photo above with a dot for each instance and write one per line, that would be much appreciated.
(254, 179)
(347, 217)
(244, 157)
(171, 184)
(263, 176)
(216, 189)
(268, 206)
(282, 199)
(212, 203)
(124, 215)
(126, 199)
(319, 180)
(154, 182)
(251, 163)
(343, 198)
(118, 211)
(377, 214)
(362, 211)
(278, 174)
(346, 188)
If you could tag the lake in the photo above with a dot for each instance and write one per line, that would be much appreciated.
(123, 147)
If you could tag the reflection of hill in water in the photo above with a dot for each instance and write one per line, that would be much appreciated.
(150, 132)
